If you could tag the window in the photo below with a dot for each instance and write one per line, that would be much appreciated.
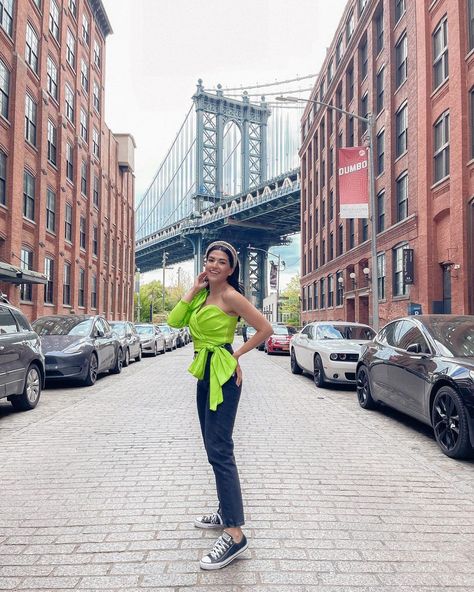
(471, 96)
(380, 90)
(52, 142)
(399, 287)
(69, 99)
(49, 273)
(323, 213)
(84, 76)
(362, 5)
(401, 56)
(339, 101)
(363, 59)
(31, 50)
(381, 211)
(400, 8)
(97, 53)
(441, 147)
(331, 205)
(82, 233)
(4, 89)
(82, 275)
(331, 163)
(26, 291)
(339, 289)
(350, 132)
(350, 83)
(28, 196)
(440, 53)
(330, 291)
(340, 240)
(323, 173)
(379, 30)
(407, 334)
(50, 210)
(380, 142)
(73, 8)
(401, 130)
(96, 191)
(95, 241)
(316, 257)
(30, 120)
(52, 75)
(6, 16)
(351, 233)
(54, 19)
(322, 134)
(349, 26)
(84, 177)
(70, 162)
(331, 246)
(322, 294)
(402, 197)
(330, 74)
(316, 221)
(381, 276)
(364, 111)
(96, 143)
(67, 284)
(339, 49)
(470, 8)
(71, 49)
(85, 28)
(68, 223)
(96, 97)
(93, 291)
(365, 230)
(3, 178)
(315, 296)
(84, 125)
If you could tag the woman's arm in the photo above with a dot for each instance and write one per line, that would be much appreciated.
(254, 318)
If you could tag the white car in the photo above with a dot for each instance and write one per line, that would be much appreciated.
(329, 351)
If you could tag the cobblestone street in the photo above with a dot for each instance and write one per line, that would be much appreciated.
(100, 487)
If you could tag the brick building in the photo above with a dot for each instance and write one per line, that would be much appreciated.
(66, 181)
(411, 64)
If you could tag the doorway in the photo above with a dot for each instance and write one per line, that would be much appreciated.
(446, 289)
(364, 310)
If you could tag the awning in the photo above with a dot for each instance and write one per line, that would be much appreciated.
(16, 275)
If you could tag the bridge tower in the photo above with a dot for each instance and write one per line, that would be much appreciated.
(213, 112)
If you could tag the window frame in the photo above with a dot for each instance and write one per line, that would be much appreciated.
(441, 153)
(440, 60)
(401, 60)
(50, 210)
(29, 195)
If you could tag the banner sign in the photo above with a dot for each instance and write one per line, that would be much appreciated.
(273, 275)
(408, 267)
(353, 182)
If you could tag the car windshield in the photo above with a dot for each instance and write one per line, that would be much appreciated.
(165, 328)
(119, 328)
(345, 332)
(280, 331)
(453, 337)
(145, 330)
(63, 326)
(251, 330)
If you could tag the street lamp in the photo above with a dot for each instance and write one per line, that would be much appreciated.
(278, 274)
(369, 121)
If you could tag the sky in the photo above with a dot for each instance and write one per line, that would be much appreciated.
(159, 49)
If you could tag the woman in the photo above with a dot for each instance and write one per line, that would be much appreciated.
(211, 309)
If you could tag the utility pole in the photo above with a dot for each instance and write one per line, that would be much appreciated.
(165, 255)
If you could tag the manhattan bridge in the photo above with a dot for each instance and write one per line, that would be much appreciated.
(232, 173)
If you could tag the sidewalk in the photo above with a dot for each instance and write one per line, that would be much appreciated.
(99, 490)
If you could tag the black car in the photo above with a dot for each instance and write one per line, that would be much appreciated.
(78, 347)
(21, 359)
(424, 367)
(129, 340)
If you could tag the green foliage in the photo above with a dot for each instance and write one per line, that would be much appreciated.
(290, 304)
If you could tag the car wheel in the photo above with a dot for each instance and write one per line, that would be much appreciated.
(126, 359)
(31, 391)
(92, 371)
(295, 367)
(318, 372)
(139, 356)
(364, 395)
(118, 362)
(450, 423)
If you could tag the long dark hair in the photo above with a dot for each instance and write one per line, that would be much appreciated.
(233, 279)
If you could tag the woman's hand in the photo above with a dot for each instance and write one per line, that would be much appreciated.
(238, 372)
(200, 282)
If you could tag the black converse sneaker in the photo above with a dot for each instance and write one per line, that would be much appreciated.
(224, 551)
(210, 521)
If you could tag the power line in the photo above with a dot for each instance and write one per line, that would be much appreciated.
(271, 83)
(278, 92)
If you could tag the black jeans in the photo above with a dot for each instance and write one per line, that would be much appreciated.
(216, 428)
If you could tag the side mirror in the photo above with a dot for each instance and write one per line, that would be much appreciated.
(99, 333)
(414, 348)
(304, 336)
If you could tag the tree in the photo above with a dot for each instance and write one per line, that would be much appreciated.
(290, 304)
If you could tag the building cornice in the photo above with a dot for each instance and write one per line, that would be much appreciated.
(101, 17)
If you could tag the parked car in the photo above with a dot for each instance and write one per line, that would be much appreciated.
(129, 340)
(21, 359)
(279, 341)
(424, 366)
(329, 351)
(151, 338)
(78, 347)
(179, 336)
(171, 338)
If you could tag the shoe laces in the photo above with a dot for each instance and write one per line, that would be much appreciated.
(220, 547)
(212, 518)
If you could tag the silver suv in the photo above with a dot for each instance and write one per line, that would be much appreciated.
(21, 359)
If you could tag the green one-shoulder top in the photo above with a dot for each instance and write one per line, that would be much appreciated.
(211, 328)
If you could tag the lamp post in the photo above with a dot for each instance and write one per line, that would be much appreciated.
(369, 121)
(278, 275)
